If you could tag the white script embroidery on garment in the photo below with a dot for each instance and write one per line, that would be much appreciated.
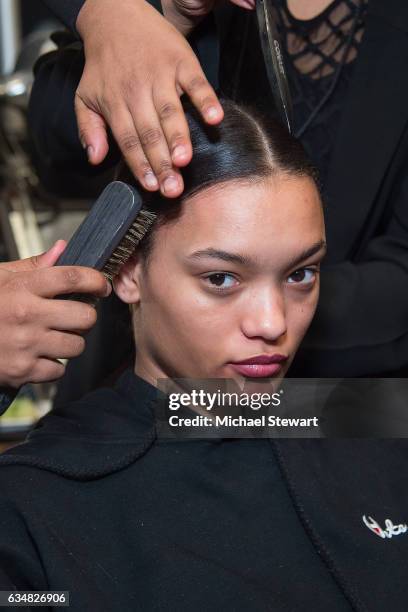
(390, 529)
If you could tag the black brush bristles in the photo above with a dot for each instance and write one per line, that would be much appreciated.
(110, 232)
(129, 243)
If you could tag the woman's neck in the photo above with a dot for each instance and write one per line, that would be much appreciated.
(143, 370)
(307, 10)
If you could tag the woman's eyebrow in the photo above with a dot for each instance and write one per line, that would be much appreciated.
(247, 261)
(223, 255)
(309, 252)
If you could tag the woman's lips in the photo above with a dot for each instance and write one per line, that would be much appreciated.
(261, 366)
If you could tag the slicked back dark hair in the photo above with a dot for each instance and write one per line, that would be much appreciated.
(244, 147)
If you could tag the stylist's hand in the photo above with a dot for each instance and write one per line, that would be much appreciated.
(137, 67)
(36, 330)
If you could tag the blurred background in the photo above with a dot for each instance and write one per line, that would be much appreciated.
(32, 216)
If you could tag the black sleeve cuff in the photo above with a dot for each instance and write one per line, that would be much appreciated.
(66, 11)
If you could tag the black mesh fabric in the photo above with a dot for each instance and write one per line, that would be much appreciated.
(320, 54)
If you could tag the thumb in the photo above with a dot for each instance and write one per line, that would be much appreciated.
(49, 258)
(45, 260)
(92, 131)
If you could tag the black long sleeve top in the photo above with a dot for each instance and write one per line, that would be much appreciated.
(96, 504)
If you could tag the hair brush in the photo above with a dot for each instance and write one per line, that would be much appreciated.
(109, 234)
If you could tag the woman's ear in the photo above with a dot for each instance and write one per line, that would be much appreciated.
(127, 283)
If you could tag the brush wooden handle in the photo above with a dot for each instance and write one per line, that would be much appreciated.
(103, 228)
(102, 231)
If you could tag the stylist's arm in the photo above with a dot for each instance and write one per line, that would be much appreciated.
(35, 329)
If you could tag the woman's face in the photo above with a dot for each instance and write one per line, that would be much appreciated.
(231, 286)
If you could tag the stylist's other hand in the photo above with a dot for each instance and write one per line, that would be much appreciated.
(36, 330)
(137, 65)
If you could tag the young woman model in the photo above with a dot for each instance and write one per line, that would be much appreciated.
(224, 286)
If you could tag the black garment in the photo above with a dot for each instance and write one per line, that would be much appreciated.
(93, 503)
(320, 54)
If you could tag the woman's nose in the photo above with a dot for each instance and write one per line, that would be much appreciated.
(265, 316)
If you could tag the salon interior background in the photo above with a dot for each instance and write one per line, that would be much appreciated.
(31, 217)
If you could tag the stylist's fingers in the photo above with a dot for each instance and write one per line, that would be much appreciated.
(46, 370)
(92, 131)
(60, 345)
(156, 148)
(68, 315)
(192, 80)
(152, 142)
(174, 123)
(127, 138)
(63, 280)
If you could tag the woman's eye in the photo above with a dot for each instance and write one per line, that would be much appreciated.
(304, 276)
(221, 280)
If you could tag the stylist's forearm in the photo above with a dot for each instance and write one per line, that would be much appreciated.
(137, 66)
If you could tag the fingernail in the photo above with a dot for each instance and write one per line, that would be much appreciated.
(59, 244)
(179, 151)
(108, 289)
(212, 112)
(89, 152)
(83, 143)
(170, 185)
(151, 180)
